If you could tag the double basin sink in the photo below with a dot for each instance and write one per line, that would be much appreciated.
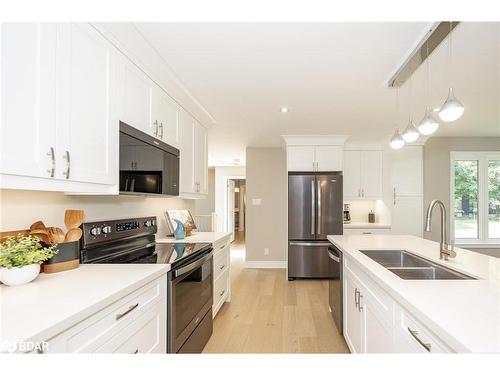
(412, 267)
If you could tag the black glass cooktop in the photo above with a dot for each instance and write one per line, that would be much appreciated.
(178, 253)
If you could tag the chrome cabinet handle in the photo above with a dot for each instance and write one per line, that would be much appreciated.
(161, 128)
(156, 128)
(363, 193)
(359, 302)
(52, 170)
(136, 351)
(131, 308)
(222, 293)
(68, 165)
(359, 192)
(415, 336)
(356, 294)
(222, 267)
(394, 196)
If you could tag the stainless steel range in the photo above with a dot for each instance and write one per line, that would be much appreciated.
(189, 289)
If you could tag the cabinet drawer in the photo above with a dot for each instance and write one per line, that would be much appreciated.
(221, 287)
(89, 334)
(412, 336)
(222, 245)
(221, 262)
(146, 334)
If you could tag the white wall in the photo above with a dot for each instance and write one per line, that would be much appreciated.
(266, 224)
(221, 176)
(20, 208)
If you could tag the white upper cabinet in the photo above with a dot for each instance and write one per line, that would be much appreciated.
(194, 157)
(363, 174)
(87, 126)
(407, 171)
(200, 159)
(300, 158)
(165, 125)
(137, 99)
(28, 99)
(314, 158)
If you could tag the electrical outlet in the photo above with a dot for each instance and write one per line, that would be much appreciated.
(266, 251)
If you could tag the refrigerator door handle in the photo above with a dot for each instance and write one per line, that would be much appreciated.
(318, 227)
(313, 199)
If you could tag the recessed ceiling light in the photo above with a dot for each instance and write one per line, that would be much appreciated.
(284, 109)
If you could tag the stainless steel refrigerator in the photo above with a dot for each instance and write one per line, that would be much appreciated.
(314, 211)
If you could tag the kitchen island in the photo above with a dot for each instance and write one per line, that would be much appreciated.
(385, 313)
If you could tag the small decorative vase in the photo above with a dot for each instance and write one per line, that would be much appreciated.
(19, 275)
(180, 230)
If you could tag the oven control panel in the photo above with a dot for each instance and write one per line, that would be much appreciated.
(102, 231)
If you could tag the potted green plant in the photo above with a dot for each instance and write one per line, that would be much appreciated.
(20, 259)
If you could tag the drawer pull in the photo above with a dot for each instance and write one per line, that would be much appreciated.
(415, 336)
(119, 316)
(222, 293)
(221, 247)
(367, 232)
(222, 267)
(136, 351)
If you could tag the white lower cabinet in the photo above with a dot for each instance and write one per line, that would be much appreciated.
(221, 268)
(375, 323)
(134, 324)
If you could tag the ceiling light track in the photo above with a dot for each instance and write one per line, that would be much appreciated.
(432, 39)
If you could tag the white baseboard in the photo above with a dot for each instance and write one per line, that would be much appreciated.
(265, 264)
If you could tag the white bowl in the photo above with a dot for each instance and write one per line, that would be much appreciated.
(19, 275)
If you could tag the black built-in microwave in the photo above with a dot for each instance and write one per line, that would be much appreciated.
(148, 166)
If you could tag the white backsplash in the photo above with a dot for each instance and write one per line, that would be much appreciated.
(20, 208)
(361, 208)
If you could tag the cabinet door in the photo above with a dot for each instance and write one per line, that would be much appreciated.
(378, 335)
(137, 99)
(328, 158)
(407, 170)
(28, 99)
(351, 174)
(87, 127)
(200, 159)
(164, 112)
(186, 152)
(407, 216)
(352, 317)
(301, 158)
(371, 174)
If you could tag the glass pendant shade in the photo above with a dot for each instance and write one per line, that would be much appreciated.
(411, 133)
(452, 109)
(397, 141)
(428, 124)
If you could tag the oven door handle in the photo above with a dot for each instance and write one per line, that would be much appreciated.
(191, 266)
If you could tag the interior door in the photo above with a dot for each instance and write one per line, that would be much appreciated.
(329, 217)
(230, 208)
(301, 207)
(28, 99)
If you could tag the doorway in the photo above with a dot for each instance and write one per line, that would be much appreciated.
(236, 210)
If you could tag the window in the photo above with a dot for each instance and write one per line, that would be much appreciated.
(475, 197)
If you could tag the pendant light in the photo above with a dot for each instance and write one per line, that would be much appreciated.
(397, 141)
(411, 133)
(452, 109)
(428, 124)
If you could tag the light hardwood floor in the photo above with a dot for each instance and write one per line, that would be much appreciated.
(269, 314)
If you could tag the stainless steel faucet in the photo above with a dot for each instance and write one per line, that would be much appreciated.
(445, 249)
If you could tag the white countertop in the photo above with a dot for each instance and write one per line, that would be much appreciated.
(366, 225)
(463, 313)
(196, 237)
(54, 302)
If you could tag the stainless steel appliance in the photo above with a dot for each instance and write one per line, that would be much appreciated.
(335, 296)
(314, 211)
(189, 288)
(148, 166)
(347, 213)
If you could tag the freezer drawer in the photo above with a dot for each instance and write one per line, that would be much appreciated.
(309, 260)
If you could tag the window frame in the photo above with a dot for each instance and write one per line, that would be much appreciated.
(483, 157)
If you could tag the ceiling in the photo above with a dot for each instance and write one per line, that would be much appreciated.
(332, 77)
